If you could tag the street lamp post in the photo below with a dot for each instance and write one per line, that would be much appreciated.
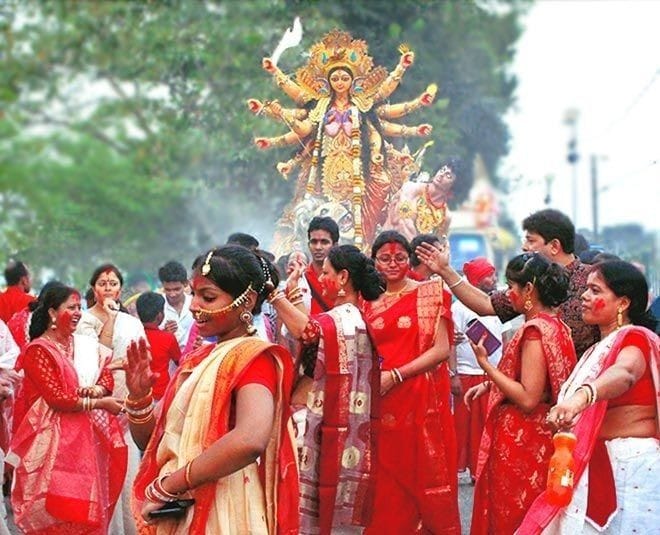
(570, 120)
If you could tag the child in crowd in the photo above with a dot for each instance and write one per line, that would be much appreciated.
(164, 347)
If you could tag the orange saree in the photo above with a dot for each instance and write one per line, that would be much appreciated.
(196, 411)
(516, 447)
(417, 484)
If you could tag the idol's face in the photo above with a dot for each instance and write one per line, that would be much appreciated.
(445, 177)
(340, 81)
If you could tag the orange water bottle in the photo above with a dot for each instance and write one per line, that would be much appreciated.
(561, 470)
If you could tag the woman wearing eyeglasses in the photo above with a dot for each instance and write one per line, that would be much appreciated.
(410, 325)
(115, 330)
(516, 444)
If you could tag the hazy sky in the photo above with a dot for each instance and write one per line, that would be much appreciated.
(601, 57)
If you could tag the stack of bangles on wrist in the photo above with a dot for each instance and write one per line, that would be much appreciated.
(295, 296)
(590, 391)
(156, 493)
(87, 404)
(275, 295)
(396, 376)
(140, 411)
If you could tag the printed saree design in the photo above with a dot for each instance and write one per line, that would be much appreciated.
(516, 447)
(69, 466)
(337, 467)
(417, 446)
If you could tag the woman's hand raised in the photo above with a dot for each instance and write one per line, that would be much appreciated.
(139, 377)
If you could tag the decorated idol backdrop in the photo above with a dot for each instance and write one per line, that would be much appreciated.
(118, 117)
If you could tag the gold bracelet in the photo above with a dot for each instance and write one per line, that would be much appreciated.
(460, 281)
(398, 374)
(135, 403)
(186, 475)
(141, 420)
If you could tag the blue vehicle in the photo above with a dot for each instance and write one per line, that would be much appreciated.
(468, 244)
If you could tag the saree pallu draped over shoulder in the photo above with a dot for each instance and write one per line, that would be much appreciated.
(544, 517)
(417, 479)
(195, 413)
(69, 466)
(516, 447)
(338, 459)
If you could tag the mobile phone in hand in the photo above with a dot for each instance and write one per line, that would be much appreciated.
(175, 509)
(476, 330)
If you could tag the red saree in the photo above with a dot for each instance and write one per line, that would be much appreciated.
(69, 466)
(278, 491)
(516, 447)
(417, 484)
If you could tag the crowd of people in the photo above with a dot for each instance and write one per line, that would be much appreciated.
(332, 391)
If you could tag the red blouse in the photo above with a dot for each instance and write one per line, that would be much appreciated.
(42, 379)
(643, 391)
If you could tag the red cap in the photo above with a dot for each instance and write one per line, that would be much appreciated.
(477, 269)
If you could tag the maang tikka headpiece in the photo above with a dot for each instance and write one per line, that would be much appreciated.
(206, 266)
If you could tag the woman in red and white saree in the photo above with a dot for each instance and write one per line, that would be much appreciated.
(612, 402)
(68, 452)
(417, 485)
(221, 436)
(337, 459)
(516, 444)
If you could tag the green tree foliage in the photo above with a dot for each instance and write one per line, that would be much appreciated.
(124, 133)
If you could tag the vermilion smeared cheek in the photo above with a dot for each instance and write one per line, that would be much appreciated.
(64, 319)
(330, 286)
(515, 300)
(599, 304)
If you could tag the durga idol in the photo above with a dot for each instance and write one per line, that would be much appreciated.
(339, 126)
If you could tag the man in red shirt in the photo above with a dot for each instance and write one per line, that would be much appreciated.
(16, 297)
(163, 344)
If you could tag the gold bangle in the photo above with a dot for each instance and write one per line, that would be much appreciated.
(398, 374)
(460, 281)
(186, 475)
(141, 420)
(135, 403)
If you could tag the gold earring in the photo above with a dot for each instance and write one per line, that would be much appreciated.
(341, 292)
(246, 317)
(528, 304)
(52, 323)
(619, 318)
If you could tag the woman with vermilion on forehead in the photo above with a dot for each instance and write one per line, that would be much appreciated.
(226, 407)
(115, 329)
(611, 403)
(409, 323)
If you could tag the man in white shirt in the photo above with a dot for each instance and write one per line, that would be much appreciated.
(178, 319)
(470, 421)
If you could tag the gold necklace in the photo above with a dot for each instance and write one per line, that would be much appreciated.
(65, 349)
(398, 293)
